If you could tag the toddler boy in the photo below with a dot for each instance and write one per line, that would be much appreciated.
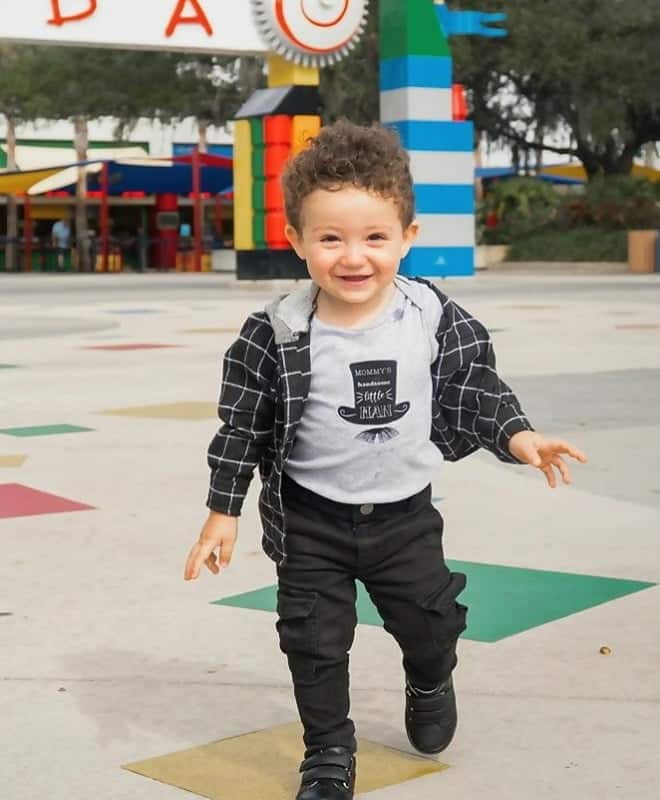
(347, 394)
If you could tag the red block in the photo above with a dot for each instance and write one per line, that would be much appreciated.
(276, 156)
(278, 129)
(275, 224)
(17, 500)
(459, 105)
(274, 195)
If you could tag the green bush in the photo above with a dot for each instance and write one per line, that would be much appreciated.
(616, 202)
(577, 244)
(520, 206)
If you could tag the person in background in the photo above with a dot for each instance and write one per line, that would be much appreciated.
(61, 240)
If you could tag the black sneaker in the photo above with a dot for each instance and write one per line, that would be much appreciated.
(431, 717)
(328, 775)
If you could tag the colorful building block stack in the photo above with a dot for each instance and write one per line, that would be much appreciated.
(264, 141)
(416, 82)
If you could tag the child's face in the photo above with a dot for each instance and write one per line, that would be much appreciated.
(353, 242)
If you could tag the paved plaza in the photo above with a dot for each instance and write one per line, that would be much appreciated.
(121, 681)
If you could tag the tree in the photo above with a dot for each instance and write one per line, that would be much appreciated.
(212, 88)
(19, 102)
(587, 67)
(81, 84)
(350, 88)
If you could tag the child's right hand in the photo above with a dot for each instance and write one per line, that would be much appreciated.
(219, 531)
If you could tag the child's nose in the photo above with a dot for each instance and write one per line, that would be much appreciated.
(354, 255)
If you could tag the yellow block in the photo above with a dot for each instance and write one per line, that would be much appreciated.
(285, 73)
(243, 239)
(264, 764)
(168, 411)
(303, 128)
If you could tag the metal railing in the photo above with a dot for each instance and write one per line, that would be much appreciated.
(129, 253)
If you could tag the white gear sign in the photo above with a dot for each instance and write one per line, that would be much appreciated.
(311, 32)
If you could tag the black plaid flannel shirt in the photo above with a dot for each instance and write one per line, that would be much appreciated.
(265, 385)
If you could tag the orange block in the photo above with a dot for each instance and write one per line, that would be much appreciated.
(304, 128)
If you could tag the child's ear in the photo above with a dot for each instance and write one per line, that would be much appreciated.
(409, 236)
(295, 240)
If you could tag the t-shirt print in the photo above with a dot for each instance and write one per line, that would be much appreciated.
(374, 390)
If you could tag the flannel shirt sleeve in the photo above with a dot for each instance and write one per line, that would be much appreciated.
(478, 407)
(246, 409)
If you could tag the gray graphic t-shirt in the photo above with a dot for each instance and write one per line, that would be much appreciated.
(364, 436)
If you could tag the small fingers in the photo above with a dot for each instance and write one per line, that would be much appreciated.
(212, 563)
(193, 562)
(226, 553)
(564, 447)
(191, 571)
(198, 555)
(562, 466)
(549, 476)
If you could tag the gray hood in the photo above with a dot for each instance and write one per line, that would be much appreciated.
(290, 314)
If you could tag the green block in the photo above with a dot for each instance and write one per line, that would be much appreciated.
(257, 131)
(259, 230)
(258, 162)
(44, 430)
(8, 366)
(410, 28)
(502, 601)
(259, 194)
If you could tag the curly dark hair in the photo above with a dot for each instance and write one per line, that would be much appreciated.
(345, 154)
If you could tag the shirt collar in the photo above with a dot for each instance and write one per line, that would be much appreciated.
(290, 314)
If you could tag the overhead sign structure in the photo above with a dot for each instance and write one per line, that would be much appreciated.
(305, 31)
(314, 33)
(212, 26)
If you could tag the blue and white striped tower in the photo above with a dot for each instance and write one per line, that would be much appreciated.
(416, 76)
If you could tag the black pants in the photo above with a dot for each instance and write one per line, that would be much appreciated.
(395, 549)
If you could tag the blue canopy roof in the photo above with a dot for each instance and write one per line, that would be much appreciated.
(175, 179)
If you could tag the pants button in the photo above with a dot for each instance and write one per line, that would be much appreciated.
(367, 509)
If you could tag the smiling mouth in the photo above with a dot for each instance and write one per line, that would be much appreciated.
(355, 278)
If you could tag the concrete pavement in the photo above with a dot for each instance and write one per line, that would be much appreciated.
(107, 657)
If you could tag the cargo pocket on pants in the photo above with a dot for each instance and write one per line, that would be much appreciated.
(297, 625)
(447, 617)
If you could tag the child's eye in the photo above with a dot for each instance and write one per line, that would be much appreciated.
(377, 237)
(329, 237)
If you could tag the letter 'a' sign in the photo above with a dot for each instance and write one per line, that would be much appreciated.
(193, 25)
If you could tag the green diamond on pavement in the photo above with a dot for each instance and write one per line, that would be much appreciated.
(502, 601)
(44, 430)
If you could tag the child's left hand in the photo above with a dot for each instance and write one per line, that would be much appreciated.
(544, 454)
